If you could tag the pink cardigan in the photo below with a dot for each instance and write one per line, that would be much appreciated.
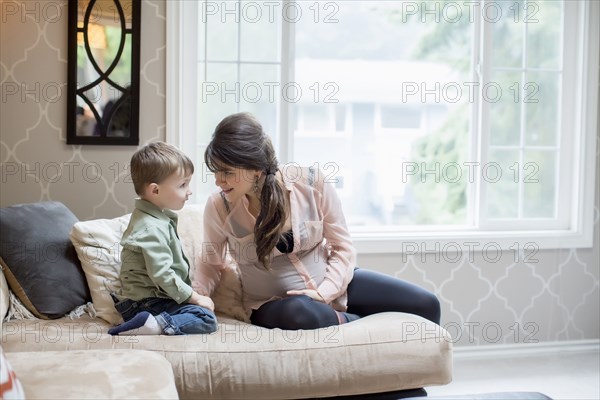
(323, 257)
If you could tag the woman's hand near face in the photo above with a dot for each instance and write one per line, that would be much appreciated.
(313, 294)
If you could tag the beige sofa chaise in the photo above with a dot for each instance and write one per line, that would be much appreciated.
(380, 353)
(93, 374)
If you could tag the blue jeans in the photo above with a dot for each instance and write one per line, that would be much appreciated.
(174, 318)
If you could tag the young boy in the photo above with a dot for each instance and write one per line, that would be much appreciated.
(156, 295)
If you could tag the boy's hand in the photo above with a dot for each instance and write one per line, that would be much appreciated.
(202, 301)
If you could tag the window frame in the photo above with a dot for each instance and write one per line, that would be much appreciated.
(581, 48)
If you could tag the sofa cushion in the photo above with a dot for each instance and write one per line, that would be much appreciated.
(39, 262)
(99, 374)
(98, 246)
(378, 353)
(10, 385)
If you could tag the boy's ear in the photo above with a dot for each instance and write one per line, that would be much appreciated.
(153, 188)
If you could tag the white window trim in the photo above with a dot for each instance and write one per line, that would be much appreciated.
(429, 239)
(590, 50)
(174, 114)
(565, 195)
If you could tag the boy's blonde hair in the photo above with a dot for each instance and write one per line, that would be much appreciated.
(157, 161)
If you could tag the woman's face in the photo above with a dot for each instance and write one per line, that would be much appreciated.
(236, 182)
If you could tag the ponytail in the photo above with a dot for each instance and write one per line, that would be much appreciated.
(272, 217)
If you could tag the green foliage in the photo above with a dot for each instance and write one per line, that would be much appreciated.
(445, 42)
(121, 74)
(442, 200)
(531, 95)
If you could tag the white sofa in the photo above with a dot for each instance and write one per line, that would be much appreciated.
(380, 353)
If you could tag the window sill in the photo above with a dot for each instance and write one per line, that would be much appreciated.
(488, 243)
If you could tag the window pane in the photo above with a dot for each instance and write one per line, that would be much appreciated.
(340, 118)
(317, 151)
(316, 118)
(260, 23)
(538, 175)
(498, 174)
(217, 97)
(400, 117)
(541, 97)
(544, 33)
(507, 32)
(260, 95)
(202, 29)
(505, 107)
(400, 78)
(222, 35)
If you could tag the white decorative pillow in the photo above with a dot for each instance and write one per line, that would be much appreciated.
(98, 246)
(4, 299)
(10, 386)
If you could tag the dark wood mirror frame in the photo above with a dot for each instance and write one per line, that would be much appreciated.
(97, 115)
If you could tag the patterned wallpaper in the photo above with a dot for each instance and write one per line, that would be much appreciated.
(553, 297)
(37, 162)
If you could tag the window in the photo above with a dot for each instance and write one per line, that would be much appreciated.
(437, 120)
(400, 117)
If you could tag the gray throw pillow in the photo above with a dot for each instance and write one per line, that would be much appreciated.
(38, 259)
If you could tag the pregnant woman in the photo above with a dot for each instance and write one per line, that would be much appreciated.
(285, 228)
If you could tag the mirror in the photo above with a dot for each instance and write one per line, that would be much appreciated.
(104, 70)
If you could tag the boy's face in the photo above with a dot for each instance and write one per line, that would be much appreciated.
(172, 193)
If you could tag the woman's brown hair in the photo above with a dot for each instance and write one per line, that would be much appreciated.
(239, 141)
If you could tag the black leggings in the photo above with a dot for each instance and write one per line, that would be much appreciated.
(369, 292)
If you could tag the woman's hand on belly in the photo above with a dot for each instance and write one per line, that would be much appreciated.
(313, 294)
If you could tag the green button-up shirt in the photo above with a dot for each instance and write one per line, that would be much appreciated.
(152, 260)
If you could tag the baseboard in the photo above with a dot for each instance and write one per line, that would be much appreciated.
(524, 349)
